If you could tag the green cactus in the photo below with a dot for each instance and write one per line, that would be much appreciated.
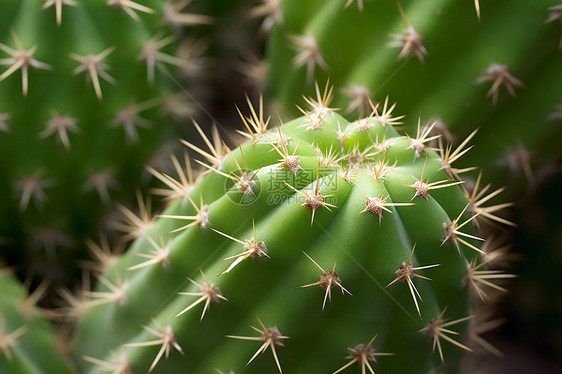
(86, 100)
(253, 257)
(496, 68)
(27, 341)
(494, 65)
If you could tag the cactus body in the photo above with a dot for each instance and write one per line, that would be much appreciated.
(320, 243)
(83, 107)
(27, 341)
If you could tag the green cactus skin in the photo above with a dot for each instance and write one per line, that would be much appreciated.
(80, 118)
(449, 77)
(265, 252)
(27, 340)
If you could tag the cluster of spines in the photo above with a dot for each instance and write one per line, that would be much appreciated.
(218, 155)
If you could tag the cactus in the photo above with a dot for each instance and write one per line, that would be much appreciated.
(27, 341)
(488, 64)
(86, 100)
(494, 66)
(324, 244)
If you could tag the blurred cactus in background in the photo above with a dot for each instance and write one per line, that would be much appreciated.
(90, 93)
(28, 343)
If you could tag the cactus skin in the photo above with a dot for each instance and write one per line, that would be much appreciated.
(365, 251)
(450, 83)
(58, 190)
(27, 340)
